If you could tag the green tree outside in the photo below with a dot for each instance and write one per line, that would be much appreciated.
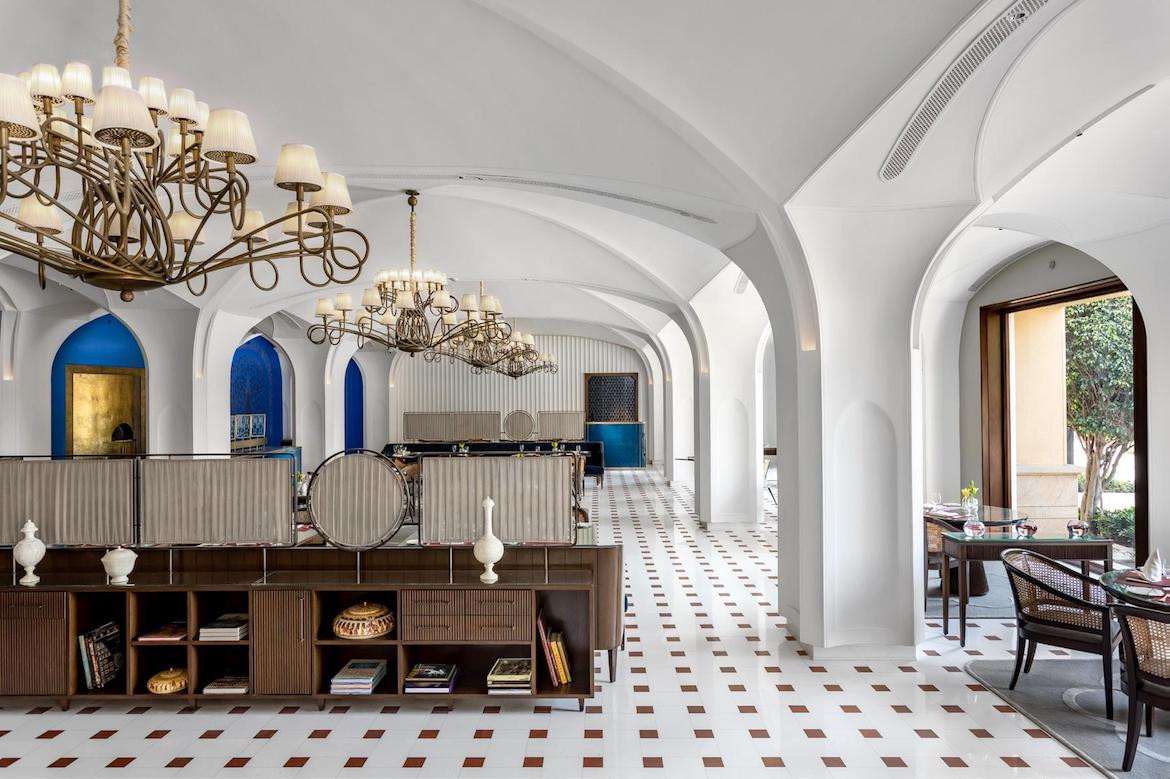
(1099, 382)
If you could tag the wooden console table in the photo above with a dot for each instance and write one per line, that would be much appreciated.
(967, 550)
(442, 615)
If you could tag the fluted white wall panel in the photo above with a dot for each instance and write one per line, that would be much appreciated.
(421, 386)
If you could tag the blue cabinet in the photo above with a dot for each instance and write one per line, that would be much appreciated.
(625, 442)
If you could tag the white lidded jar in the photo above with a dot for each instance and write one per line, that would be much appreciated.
(29, 551)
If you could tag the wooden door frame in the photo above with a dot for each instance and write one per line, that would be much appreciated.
(996, 401)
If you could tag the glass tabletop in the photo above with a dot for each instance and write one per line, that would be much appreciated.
(991, 515)
(1126, 586)
(1000, 536)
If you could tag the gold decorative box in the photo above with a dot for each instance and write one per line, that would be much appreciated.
(167, 682)
(364, 620)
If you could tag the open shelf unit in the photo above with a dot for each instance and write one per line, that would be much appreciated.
(291, 650)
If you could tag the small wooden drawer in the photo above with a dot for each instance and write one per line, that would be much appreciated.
(446, 602)
(432, 627)
(482, 627)
(32, 605)
(503, 602)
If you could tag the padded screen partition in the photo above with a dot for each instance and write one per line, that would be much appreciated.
(357, 500)
(476, 425)
(562, 425)
(238, 500)
(71, 501)
(533, 495)
(426, 426)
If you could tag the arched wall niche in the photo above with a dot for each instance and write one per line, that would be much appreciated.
(355, 401)
(104, 342)
(257, 385)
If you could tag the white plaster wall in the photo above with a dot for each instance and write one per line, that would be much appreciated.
(733, 323)
(679, 383)
(768, 399)
(375, 367)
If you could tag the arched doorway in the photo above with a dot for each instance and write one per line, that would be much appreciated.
(355, 403)
(257, 391)
(98, 387)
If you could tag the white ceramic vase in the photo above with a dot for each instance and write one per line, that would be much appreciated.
(29, 551)
(488, 549)
(119, 562)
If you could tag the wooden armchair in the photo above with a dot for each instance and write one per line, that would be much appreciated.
(1145, 669)
(1059, 607)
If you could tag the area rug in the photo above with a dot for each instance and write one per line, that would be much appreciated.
(1066, 699)
(996, 604)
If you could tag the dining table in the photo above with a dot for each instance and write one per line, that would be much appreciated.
(967, 549)
(993, 517)
(1131, 587)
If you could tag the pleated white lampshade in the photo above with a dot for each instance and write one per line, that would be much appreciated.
(45, 81)
(77, 82)
(37, 217)
(115, 76)
(154, 92)
(16, 109)
(182, 105)
(183, 227)
(333, 194)
(325, 307)
(228, 135)
(297, 166)
(121, 113)
(253, 220)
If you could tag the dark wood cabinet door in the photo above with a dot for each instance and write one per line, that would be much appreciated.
(282, 643)
(34, 651)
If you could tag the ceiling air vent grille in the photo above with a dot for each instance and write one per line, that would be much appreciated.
(949, 84)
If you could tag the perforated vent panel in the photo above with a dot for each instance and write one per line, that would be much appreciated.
(948, 86)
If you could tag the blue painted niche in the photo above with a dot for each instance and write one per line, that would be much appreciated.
(257, 387)
(103, 341)
(355, 407)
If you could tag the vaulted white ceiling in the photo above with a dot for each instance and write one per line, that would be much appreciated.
(577, 156)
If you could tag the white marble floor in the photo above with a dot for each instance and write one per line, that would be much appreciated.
(711, 685)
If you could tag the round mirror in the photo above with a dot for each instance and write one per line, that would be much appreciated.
(518, 425)
(357, 499)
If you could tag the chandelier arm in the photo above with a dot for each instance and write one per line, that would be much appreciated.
(256, 282)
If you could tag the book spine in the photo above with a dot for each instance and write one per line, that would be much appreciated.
(562, 669)
(95, 668)
(85, 662)
(548, 658)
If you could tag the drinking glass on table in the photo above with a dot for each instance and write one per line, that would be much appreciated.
(935, 500)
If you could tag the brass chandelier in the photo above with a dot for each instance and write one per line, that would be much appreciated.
(411, 310)
(120, 202)
(521, 358)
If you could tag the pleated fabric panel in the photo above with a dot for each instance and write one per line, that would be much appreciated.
(71, 501)
(358, 499)
(234, 501)
(420, 386)
(533, 499)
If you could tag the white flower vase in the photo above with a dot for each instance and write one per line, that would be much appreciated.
(119, 562)
(488, 549)
(29, 551)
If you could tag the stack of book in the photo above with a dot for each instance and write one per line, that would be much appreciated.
(556, 657)
(431, 678)
(510, 676)
(101, 655)
(358, 677)
(172, 631)
(227, 685)
(227, 627)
